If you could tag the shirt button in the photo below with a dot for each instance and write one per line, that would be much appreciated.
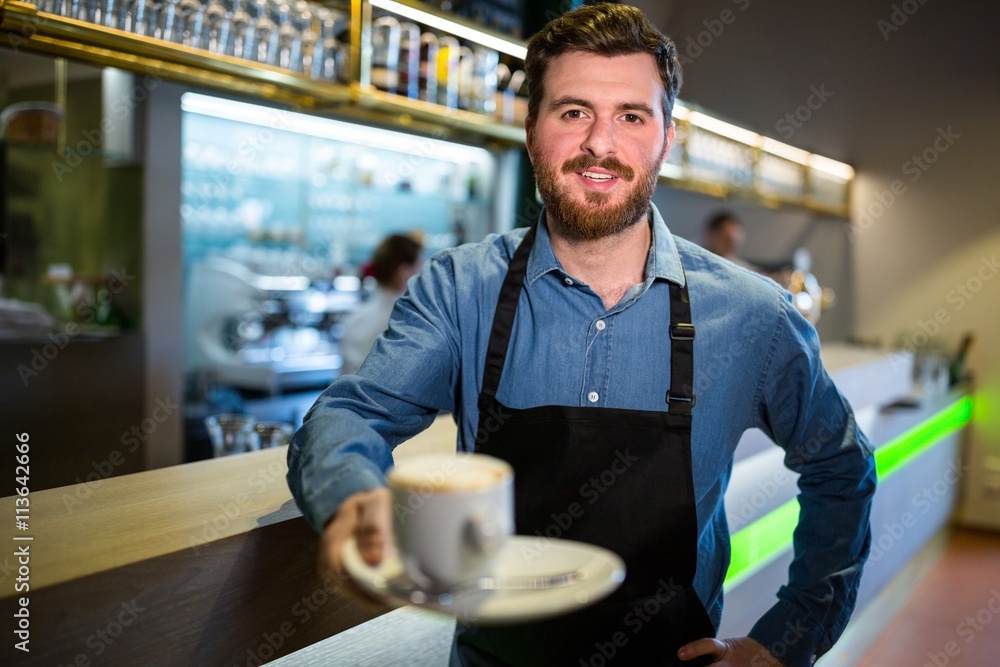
(600, 325)
(568, 281)
(593, 396)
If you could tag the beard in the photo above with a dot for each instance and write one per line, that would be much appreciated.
(598, 216)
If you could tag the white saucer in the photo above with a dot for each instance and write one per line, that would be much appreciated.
(599, 573)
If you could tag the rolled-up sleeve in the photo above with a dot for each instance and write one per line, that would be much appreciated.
(346, 440)
(798, 405)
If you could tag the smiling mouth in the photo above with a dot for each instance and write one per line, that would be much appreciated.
(599, 178)
(611, 169)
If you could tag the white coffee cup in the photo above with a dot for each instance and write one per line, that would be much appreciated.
(452, 515)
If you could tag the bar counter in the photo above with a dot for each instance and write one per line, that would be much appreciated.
(210, 563)
(207, 563)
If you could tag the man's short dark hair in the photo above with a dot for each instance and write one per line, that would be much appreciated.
(395, 251)
(604, 29)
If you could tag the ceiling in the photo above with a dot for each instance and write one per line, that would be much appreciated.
(884, 83)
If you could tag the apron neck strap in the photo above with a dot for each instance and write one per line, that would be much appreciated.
(503, 319)
(680, 397)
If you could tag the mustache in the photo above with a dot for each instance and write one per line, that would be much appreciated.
(612, 164)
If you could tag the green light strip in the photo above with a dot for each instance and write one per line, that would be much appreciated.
(761, 542)
(768, 537)
(896, 453)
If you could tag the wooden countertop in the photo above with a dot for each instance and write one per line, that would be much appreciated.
(108, 523)
(217, 548)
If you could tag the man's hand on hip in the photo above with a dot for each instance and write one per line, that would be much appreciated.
(735, 652)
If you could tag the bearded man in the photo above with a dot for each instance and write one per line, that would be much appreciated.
(597, 334)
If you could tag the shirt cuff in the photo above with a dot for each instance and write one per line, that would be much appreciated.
(353, 474)
(790, 635)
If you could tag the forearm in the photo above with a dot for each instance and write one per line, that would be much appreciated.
(804, 412)
(346, 440)
(831, 545)
(345, 446)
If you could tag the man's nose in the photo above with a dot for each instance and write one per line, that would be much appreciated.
(600, 139)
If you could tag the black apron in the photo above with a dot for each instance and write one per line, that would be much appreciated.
(617, 478)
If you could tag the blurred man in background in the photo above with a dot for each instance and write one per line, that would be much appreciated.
(724, 235)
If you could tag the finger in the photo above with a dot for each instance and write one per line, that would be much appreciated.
(373, 530)
(331, 566)
(707, 646)
(336, 533)
(332, 541)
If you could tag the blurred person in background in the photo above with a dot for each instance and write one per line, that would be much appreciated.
(395, 261)
(724, 235)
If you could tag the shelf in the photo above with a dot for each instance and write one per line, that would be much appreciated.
(22, 26)
(445, 121)
(723, 191)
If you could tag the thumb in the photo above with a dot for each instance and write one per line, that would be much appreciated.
(708, 646)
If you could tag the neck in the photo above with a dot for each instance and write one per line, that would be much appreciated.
(611, 265)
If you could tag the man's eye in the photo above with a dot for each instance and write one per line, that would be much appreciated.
(574, 113)
(632, 118)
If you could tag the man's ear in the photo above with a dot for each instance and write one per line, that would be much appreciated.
(668, 139)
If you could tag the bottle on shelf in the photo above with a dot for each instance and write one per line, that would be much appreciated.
(428, 67)
(466, 70)
(328, 62)
(409, 66)
(484, 78)
(449, 55)
(385, 53)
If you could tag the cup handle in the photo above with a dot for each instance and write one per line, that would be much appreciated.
(485, 535)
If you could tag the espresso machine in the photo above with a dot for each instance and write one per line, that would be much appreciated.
(808, 297)
(264, 328)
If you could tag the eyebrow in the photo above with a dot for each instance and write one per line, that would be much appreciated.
(567, 100)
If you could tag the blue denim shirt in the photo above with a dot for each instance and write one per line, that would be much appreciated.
(757, 364)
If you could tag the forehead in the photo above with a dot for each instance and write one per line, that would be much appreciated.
(634, 77)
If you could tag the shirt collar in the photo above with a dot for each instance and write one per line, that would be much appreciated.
(664, 261)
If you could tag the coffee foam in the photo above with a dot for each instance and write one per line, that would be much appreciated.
(448, 474)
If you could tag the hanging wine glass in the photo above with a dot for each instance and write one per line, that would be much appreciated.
(309, 36)
(265, 34)
(240, 32)
(289, 39)
(215, 27)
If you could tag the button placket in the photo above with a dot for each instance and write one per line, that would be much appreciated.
(594, 348)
